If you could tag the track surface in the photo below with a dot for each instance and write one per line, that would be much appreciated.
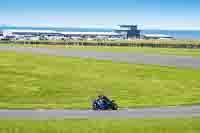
(167, 112)
(163, 60)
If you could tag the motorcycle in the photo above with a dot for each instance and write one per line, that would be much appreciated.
(100, 104)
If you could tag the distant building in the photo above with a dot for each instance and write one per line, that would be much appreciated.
(90, 35)
(128, 31)
(31, 32)
(1, 33)
(156, 36)
(121, 33)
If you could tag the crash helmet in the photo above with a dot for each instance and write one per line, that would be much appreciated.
(100, 96)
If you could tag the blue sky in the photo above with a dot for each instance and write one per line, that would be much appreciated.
(162, 14)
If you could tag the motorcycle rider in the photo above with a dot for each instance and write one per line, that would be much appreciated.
(104, 103)
(104, 99)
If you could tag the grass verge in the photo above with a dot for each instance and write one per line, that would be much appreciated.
(107, 42)
(145, 50)
(190, 125)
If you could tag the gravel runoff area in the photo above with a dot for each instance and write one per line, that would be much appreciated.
(155, 59)
(165, 112)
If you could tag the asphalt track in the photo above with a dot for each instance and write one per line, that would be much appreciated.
(138, 58)
(166, 112)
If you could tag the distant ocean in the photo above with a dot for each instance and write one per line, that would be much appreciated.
(179, 34)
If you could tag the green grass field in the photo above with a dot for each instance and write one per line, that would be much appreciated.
(40, 81)
(145, 50)
(190, 125)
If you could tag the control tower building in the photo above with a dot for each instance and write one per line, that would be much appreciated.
(129, 32)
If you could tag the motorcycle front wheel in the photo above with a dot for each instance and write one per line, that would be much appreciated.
(114, 106)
